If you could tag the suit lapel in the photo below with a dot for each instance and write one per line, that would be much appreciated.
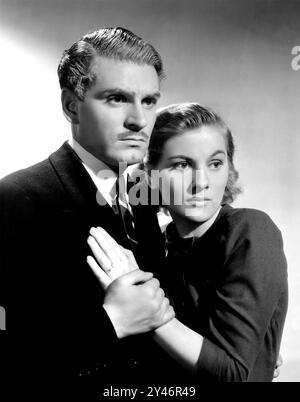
(73, 176)
(82, 192)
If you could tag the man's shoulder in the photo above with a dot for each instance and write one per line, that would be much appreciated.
(38, 175)
(23, 179)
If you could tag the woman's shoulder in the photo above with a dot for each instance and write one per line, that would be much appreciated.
(251, 234)
(244, 214)
(247, 220)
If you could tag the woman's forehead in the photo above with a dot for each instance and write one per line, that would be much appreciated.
(205, 140)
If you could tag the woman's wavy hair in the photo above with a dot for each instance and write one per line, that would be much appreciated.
(175, 120)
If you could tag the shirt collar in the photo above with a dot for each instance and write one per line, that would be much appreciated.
(101, 174)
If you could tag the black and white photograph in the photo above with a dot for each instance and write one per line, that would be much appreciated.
(149, 196)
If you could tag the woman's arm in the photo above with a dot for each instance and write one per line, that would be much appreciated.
(247, 304)
(181, 343)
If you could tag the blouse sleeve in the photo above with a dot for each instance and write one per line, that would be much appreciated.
(252, 282)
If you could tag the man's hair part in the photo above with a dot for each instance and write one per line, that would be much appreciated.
(75, 68)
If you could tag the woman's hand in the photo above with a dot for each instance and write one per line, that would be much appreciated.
(110, 260)
(279, 363)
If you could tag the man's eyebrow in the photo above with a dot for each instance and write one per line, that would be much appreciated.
(122, 91)
(115, 90)
(156, 95)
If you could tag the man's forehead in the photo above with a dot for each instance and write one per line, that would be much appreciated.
(124, 74)
(111, 66)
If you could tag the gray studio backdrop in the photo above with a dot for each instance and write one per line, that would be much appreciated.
(237, 56)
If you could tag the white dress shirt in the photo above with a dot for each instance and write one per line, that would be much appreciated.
(101, 174)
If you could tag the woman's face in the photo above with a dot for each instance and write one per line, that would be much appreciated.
(194, 172)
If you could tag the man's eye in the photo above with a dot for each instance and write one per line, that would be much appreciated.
(117, 99)
(150, 102)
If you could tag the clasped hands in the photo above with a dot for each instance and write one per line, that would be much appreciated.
(134, 300)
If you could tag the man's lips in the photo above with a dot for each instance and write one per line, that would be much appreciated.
(140, 136)
(138, 139)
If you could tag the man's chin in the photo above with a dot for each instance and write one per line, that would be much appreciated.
(128, 160)
(132, 157)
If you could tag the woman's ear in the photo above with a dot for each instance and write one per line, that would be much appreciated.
(69, 103)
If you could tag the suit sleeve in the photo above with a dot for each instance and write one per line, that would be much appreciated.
(252, 283)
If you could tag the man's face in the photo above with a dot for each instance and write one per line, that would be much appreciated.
(117, 115)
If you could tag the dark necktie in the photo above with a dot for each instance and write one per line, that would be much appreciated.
(125, 212)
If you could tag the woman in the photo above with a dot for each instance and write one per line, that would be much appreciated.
(226, 271)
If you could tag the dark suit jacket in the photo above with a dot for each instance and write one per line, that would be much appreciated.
(55, 323)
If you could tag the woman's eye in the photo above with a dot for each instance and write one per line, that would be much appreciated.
(216, 164)
(180, 165)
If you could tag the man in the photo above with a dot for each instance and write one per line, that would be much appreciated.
(59, 321)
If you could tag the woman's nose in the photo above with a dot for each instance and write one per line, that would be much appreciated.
(200, 180)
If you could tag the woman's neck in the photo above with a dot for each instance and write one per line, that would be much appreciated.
(188, 228)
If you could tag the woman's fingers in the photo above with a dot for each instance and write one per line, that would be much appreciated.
(112, 267)
(100, 256)
(112, 258)
(111, 251)
(279, 361)
(112, 243)
(104, 279)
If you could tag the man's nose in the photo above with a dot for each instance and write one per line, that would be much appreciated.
(136, 119)
(200, 180)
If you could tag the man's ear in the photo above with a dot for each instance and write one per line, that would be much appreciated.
(69, 103)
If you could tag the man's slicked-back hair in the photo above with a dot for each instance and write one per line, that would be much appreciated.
(74, 70)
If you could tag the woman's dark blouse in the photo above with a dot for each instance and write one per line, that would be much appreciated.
(230, 286)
